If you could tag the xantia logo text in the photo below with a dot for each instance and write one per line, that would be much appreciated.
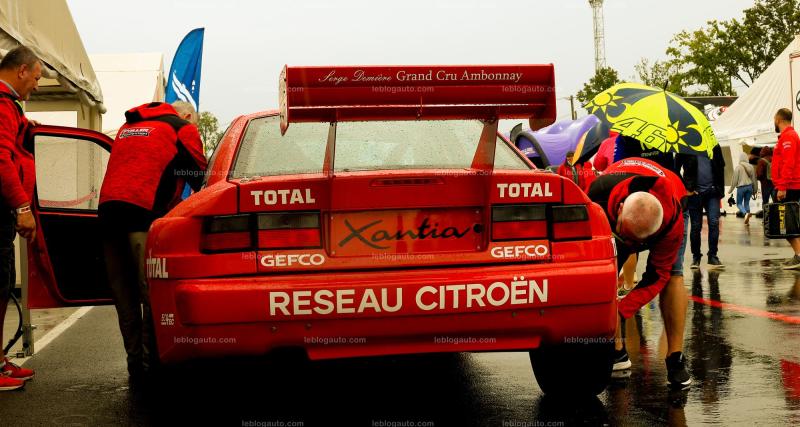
(372, 235)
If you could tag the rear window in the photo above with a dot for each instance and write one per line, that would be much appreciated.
(265, 152)
(361, 146)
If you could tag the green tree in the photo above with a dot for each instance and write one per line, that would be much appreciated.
(702, 60)
(603, 79)
(661, 74)
(711, 58)
(208, 125)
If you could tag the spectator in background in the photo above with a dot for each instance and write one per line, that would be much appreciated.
(580, 174)
(786, 173)
(764, 174)
(605, 154)
(753, 157)
(746, 185)
(704, 179)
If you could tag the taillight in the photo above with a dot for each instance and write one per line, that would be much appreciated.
(289, 230)
(248, 232)
(519, 222)
(531, 222)
(570, 222)
(227, 233)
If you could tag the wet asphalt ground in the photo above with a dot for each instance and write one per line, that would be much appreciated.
(742, 341)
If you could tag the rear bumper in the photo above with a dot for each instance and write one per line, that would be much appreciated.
(351, 314)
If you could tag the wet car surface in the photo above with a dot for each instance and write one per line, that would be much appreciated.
(742, 342)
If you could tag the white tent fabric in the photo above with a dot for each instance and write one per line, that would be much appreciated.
(127, 80)
(749, 120)
(46, 26)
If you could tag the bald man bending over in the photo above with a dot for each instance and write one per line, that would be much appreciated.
(644, 203)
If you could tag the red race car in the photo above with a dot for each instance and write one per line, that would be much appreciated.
(378, 212)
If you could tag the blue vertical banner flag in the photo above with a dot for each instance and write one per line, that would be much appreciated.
(184, 73)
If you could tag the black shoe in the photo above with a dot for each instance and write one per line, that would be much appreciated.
(792, 264)
(696, 264)
(739, 215)
(621, 360)
(676, 370)
(714, 262)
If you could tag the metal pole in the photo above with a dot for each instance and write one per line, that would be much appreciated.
(572, 106)
(27, 327)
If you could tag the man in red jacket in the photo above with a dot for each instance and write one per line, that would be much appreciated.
(580, 174)
(786, 172)
(644, 203)
(20, 71)
(155, 153)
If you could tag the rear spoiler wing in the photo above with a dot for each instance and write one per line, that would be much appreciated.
(352, 93)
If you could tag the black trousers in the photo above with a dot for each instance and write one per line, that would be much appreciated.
(8, 271)
(125, 266)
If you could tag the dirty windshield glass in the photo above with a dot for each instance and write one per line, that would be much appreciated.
(433, 144)
(440, 144)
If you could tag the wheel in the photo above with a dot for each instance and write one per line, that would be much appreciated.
(572, 369)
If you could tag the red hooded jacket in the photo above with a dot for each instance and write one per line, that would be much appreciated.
(785, 159)
(583, 172)
(17, 170)
(609, 190)
(154, 155)
(605, 155)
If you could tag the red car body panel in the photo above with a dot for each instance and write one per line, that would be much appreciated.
(231, 316)
(394, 261)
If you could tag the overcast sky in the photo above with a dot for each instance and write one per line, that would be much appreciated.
(248, 42)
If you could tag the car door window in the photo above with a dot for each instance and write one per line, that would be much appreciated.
(69, 173)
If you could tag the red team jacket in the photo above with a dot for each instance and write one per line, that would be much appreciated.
(154, 155)
(17, 171)
(785, 160)
(584, 173)
(609, 190)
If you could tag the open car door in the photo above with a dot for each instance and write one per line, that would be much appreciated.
(65, 262)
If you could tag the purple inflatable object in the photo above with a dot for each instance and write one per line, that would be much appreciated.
(555, 140)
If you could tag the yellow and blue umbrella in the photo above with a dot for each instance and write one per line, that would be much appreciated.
(656, 118)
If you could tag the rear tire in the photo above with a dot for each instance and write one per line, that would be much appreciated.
(583, 369)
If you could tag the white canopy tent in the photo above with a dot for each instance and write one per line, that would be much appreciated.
(128, 80)
(69, 83)
(749, 120)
